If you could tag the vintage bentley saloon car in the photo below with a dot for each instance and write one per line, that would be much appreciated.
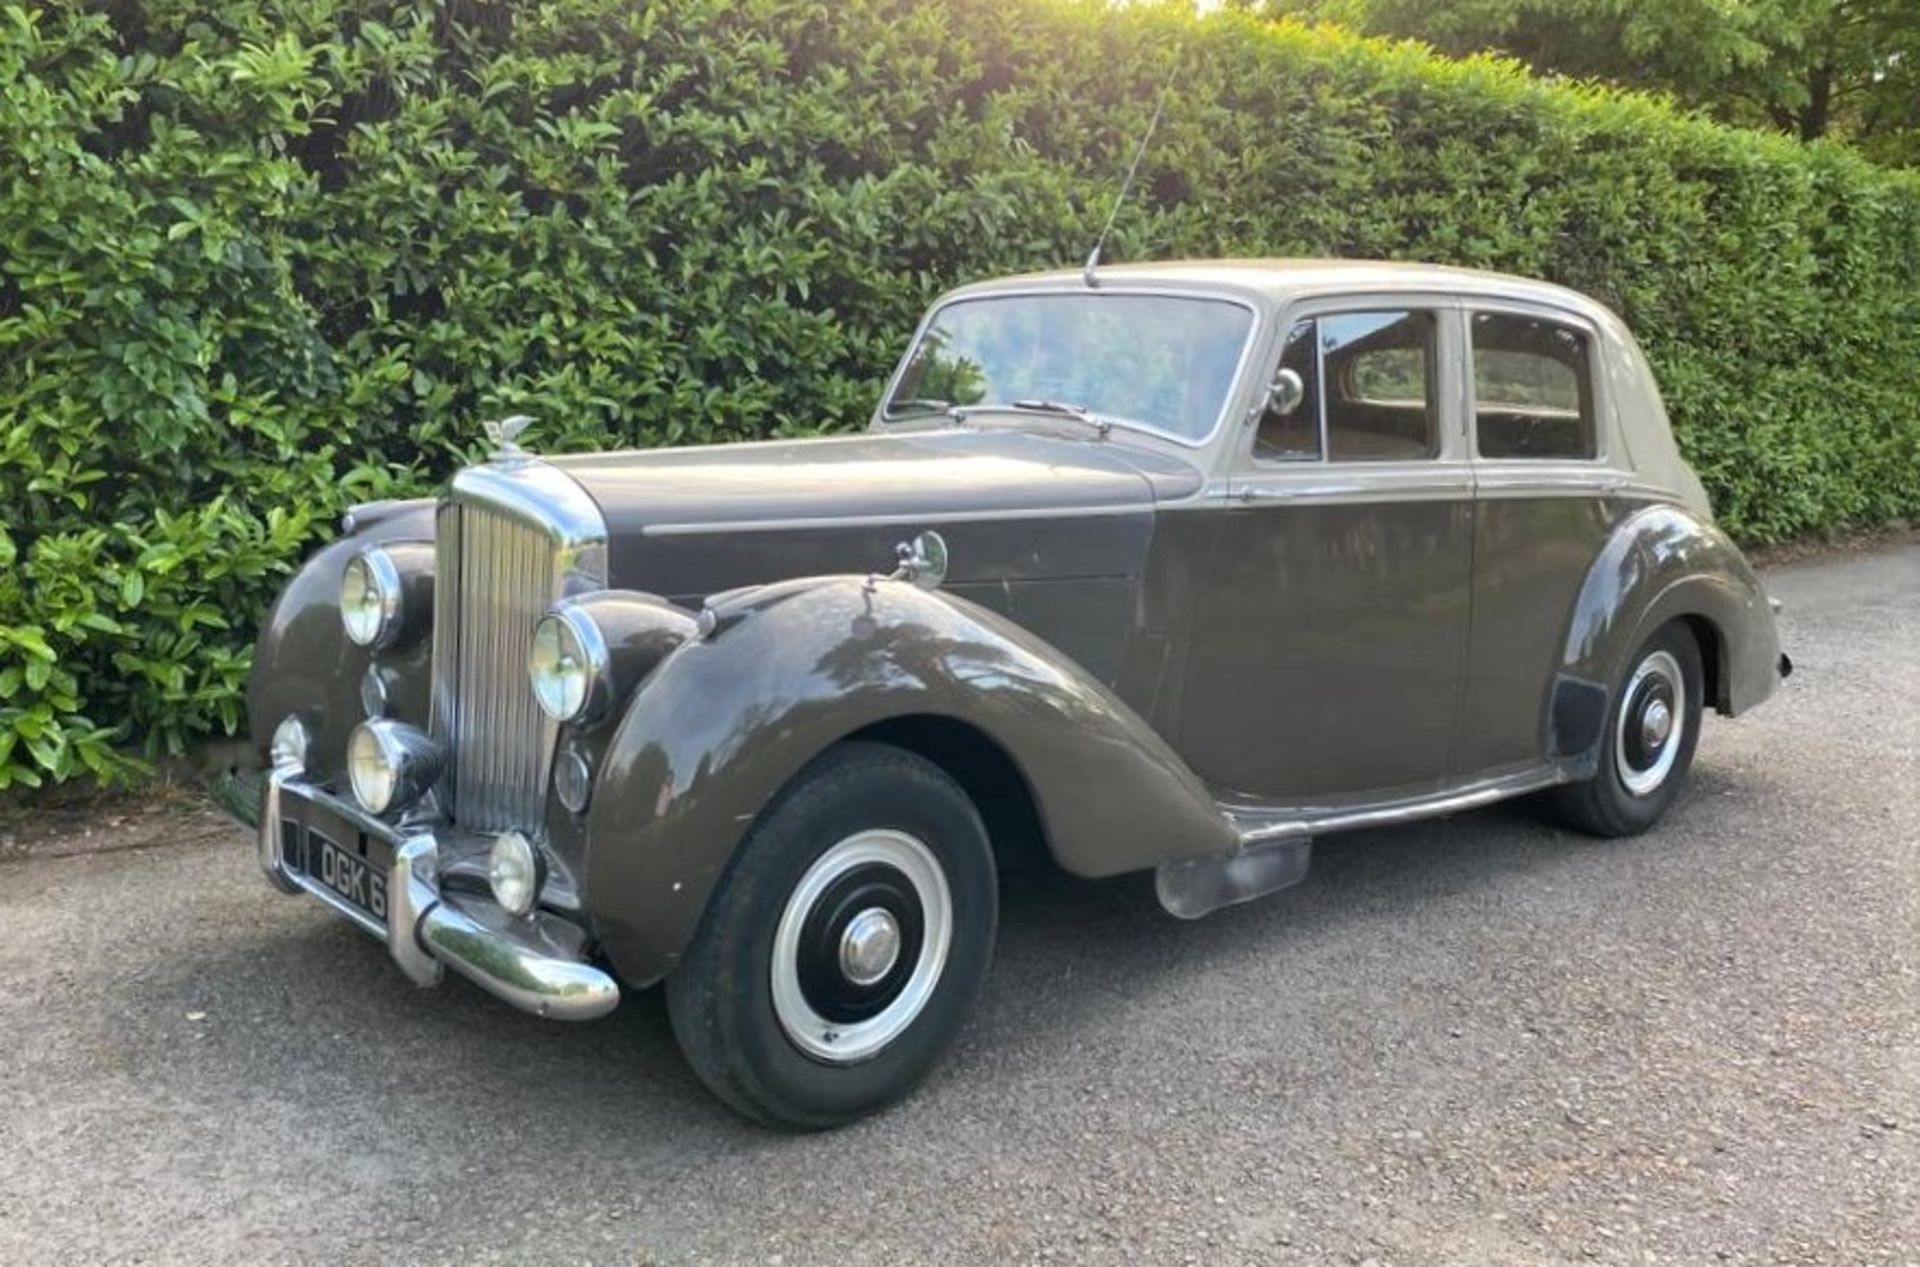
(1176, 567)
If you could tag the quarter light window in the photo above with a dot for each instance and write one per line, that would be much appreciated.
(1294, 436)
(1532, 389)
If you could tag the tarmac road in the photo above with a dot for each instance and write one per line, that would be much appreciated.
(1483, 1040)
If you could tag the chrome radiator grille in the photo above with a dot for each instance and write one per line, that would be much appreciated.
(498, 568)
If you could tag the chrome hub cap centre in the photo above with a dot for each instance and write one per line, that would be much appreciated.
(870, 946)
(1656, 724)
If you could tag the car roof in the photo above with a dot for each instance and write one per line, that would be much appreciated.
(1277, 280)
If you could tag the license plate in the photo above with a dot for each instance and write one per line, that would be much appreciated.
(350, 876)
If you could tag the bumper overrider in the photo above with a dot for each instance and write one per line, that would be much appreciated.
(537, 962)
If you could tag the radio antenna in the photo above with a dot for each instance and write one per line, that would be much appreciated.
(1090, 274)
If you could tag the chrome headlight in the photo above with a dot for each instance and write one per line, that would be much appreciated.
(567, 665)
(391, 764)
(370, 598)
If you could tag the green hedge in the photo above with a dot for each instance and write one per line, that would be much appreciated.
(262, 258)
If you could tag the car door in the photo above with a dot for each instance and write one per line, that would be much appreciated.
(1330, 632)
(1547, 470)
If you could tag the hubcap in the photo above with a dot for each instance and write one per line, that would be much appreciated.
(1647, 738)
(870, 946)
(861, 945)
(1656, 723)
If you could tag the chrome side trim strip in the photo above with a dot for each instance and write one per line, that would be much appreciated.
(1256, 825)
(909, 517)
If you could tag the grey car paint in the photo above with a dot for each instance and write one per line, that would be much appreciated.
(1121, 613)
(1050, 531)
(690, 522)
(725, 722)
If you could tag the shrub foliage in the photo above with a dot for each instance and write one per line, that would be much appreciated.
(263, 258)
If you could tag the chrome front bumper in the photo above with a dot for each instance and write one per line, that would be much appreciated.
(538, 962)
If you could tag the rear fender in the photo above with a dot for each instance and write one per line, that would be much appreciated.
(1662, 564)
(726, 720)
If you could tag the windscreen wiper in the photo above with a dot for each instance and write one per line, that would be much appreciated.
(1065, 409)
(925, 407)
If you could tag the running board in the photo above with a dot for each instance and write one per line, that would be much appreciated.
(1259, 824)
(1276, 845)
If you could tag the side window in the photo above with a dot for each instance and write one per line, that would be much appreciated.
(1532, 389)
(1378, 382)
(1294, 436)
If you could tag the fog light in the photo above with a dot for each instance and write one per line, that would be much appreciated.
(288, 751)
(391, 764)
(513, 869)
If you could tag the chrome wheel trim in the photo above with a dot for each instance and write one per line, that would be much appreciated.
(870, 946)
(1651, 721)
(844, 1043)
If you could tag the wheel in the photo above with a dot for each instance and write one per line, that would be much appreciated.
(846, 944)
(1647, 746)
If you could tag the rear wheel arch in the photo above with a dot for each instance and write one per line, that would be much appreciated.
(1665, 565)
(1712, 642)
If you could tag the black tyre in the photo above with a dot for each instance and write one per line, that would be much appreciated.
(846, 944)
(1646, 750)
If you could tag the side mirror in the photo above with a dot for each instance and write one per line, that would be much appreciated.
(1286, 393)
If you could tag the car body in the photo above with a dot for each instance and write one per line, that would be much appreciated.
(1173, 567)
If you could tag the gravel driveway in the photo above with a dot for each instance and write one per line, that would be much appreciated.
(1482, 1040)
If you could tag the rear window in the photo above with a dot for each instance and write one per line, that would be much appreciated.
(1532, 389)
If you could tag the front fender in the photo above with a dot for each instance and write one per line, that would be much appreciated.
(1661, 564)
(303, 662)
(725, 721)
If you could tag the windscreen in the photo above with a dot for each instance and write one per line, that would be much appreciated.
(1160, 363)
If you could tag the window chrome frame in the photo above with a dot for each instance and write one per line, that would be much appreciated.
(1453, 442)
(1472, 306)
(1235, 384)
